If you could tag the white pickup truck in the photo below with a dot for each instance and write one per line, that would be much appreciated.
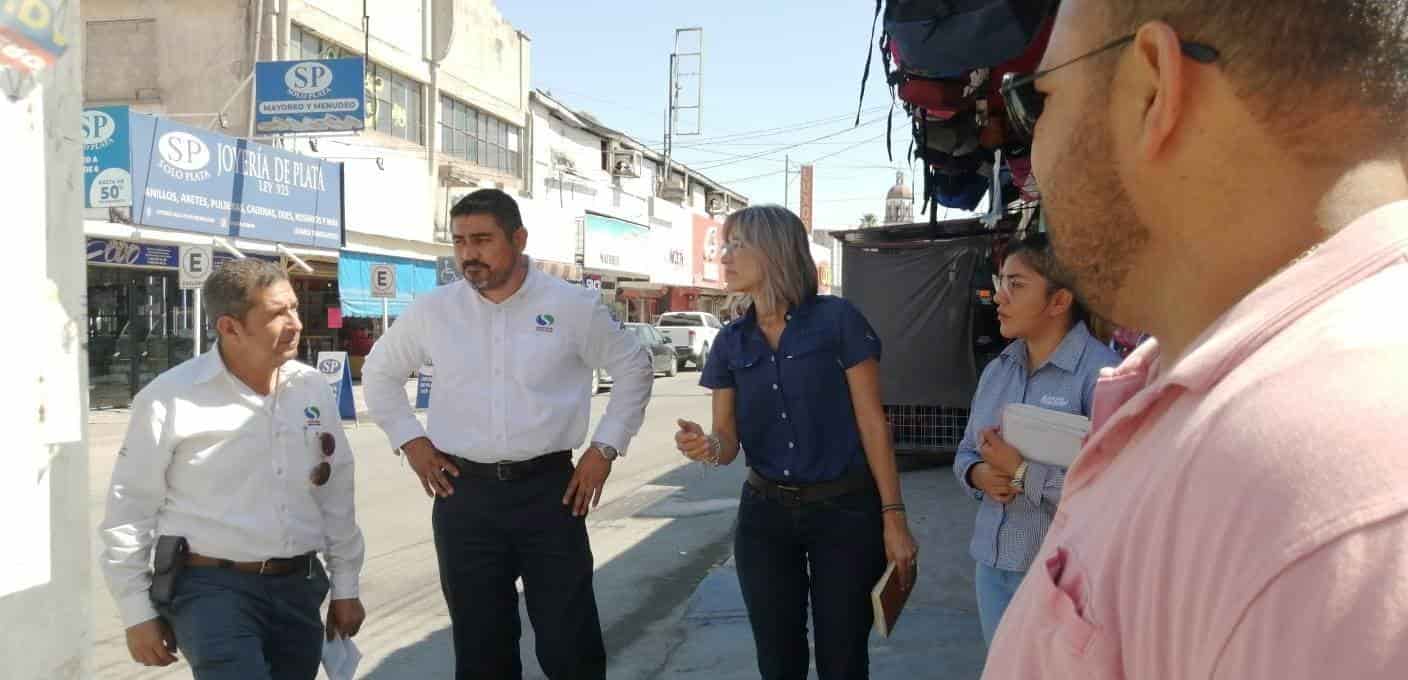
(692, 334)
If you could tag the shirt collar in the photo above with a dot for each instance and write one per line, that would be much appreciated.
(1067, 355)
(530, 280)
(799, 312)
(210, 365)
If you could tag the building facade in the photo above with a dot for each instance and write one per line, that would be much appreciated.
(437, 126)
(597, 196)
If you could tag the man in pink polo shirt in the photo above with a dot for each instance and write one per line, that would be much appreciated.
(1229, 175)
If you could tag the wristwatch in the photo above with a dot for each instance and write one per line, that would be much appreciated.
(1019, 477)
(607, 451)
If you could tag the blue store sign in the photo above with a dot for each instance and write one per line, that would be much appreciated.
(119, 253)
(323, 95)
(107, 158)
(195, 180)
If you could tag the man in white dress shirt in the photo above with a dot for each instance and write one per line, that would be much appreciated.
(241, 452)
(514, 350)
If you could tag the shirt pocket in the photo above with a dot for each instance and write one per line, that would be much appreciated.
(1069, 642)
(813, 363)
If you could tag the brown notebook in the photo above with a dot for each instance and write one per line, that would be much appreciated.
(888, 599)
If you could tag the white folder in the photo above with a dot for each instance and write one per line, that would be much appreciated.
(1043, 435)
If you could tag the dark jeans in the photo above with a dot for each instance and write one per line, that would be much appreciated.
(832, 550)
(236, 626)
(490, 533)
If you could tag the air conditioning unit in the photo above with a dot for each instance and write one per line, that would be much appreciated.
(672, 189)
(457, 175)
(563, 163)
(625, 163)
(715, 203)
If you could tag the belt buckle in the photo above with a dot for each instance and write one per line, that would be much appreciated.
(791, 495)
(500, 469)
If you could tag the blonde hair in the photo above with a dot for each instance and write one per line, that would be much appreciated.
(789, 274)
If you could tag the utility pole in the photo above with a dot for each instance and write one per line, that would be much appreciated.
(787, 181)
(685, 93)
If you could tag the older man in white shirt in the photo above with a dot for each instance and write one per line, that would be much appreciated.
(514, 351)
(239, 451)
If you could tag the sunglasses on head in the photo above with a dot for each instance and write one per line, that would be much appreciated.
(1025, 102)
(322, 472)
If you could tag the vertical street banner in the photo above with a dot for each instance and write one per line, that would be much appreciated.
(107, 158)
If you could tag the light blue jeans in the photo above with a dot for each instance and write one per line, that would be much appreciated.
(995, 590)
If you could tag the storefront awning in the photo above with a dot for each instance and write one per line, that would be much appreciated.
(413, 277)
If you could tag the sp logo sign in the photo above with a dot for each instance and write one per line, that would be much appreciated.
(184, 151)
(98, 128)
(308, 79)
(330, 366)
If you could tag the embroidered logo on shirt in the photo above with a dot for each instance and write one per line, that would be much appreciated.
(314, 416)
(545, 322)
(1055, 401)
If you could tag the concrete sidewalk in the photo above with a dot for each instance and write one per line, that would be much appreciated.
(937, 637)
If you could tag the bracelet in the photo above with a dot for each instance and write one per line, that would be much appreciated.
(893, 507)
(716, 450)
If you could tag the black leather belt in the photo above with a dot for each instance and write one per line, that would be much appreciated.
(858, 480)
(277, 566)
(508, 471)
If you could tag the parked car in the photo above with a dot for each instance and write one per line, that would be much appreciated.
(662, 354)
(692, 334)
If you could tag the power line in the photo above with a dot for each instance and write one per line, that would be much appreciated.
(749, 134)
(760, 154)
(814, 161)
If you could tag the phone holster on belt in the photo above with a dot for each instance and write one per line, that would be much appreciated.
(167, 566)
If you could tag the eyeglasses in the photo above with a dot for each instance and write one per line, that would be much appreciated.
(1025, 102)
(322, 472)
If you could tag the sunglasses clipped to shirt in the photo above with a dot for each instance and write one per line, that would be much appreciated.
(322, 472)
(1025, 102)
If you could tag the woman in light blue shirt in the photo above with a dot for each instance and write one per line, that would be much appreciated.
(1052, 363)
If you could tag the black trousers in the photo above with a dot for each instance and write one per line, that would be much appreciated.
(490, 533)
(829, 552)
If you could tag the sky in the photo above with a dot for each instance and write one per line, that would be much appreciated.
(792, 67)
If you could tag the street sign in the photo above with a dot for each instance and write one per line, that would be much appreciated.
(447, 270)
(196, 264)
(383, 281)
(317, 95)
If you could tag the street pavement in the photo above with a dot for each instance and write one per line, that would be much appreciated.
(662, 540)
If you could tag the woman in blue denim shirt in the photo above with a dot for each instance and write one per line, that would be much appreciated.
(1053, 363)
(795, 383)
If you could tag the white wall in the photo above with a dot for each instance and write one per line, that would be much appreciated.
(672, 229)
(201, 53)
(45, 569)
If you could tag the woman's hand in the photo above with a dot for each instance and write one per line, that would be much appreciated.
(901, 549)
(693, 443)
(997, 452)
